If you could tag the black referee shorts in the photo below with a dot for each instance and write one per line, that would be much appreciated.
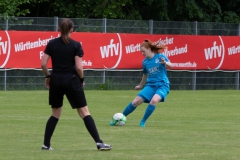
(66, 84)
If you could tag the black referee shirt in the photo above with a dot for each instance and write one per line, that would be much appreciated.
(63, 55)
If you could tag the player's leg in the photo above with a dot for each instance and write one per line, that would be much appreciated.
(150, 109)
(159, 96)
(132, 105)
(147, 93)
(144, 96)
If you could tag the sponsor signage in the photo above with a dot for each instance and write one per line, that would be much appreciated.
(24, 49)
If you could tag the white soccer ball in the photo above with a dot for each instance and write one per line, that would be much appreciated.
(119, 119)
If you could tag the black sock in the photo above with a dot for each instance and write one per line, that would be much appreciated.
(92, 129)
(50, 127)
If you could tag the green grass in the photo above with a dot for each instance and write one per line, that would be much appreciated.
(190, 125)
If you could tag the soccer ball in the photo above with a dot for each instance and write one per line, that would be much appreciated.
(119, 119)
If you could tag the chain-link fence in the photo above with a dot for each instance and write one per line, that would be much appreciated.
(122, 79)
(121, 26)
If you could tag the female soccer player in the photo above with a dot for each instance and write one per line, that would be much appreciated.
(154, 80)
(67, 78)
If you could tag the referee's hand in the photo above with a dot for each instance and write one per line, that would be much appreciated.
(47, 83)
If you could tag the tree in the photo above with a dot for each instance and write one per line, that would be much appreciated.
(159, 10)
(121, 9)
(13, 7)
(231, 11)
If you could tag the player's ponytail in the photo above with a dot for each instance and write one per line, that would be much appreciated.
(154, 47)
(65, 27)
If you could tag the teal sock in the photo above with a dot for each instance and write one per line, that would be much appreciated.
(129, 109)
(149, 110)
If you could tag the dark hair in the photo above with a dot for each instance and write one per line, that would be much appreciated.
(64, 27)
(154, 48)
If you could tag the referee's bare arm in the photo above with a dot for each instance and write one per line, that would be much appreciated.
(79, 66)
(44, 62)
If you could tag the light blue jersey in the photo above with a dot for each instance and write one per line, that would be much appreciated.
(156, 71)
(157, 81)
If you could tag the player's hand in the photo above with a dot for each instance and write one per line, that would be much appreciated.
(138, 87)
(163, 61)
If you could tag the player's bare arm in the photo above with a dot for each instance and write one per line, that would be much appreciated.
(142, 83)
(169, 64)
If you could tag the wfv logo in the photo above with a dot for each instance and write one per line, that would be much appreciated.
(111, 53)
(5, 47)
(111, 48)
(214, 52)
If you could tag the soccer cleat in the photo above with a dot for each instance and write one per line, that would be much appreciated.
(46, 148)
(111, 123)
(142, 124)
(103, 147)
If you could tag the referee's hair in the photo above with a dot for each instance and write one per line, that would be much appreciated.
(65, 27)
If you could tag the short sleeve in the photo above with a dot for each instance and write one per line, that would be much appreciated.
(165, 58)
(79, 50)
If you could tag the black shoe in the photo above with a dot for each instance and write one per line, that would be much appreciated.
(103, 147)
(46, 148)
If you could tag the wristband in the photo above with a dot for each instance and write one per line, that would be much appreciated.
(81, 80)
(48, 76)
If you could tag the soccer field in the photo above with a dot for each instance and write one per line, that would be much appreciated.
(190, 125)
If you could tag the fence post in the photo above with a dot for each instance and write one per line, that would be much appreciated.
(104, 31)
(194, 79)
(196, 28)
(194, 74)
(150, 26)
(6, 25)
(237, 80)
(5, 80)
(104, 25)
(103, 76)
(5, 71)
(239, 29)
(55, 23)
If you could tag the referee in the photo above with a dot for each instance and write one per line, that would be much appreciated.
(67, 78)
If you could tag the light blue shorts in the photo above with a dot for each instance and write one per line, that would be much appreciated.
(156, 88)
